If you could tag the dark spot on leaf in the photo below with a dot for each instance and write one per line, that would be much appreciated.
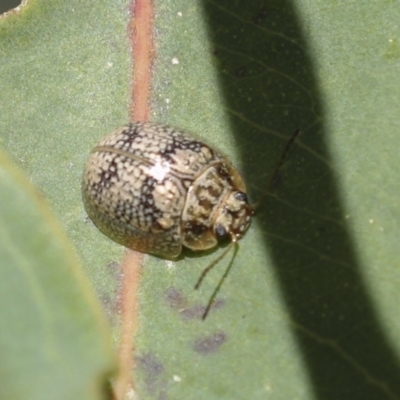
(175, 299)
(194, 312)
(153, 372)
(110, 307)
(178, 302)
(109, 296)
(209, 344)
(151, 365)
(115, 270)
(197, 311)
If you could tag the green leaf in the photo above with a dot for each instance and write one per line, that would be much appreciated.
(309, 309)
(54, 342)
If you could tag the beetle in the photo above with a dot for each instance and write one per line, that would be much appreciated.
(156, 189)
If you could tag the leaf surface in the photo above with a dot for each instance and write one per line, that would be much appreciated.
(309, 309)
(54, 342)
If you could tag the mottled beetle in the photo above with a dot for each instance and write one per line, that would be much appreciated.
(154, 189)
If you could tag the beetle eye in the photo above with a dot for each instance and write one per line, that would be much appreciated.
(220, 231)
(241, 196)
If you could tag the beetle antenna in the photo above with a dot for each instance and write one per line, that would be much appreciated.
(279, 164)
(216, 290)
(283, 156)
(213, 264)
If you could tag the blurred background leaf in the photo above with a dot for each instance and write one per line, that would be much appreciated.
(54, 342)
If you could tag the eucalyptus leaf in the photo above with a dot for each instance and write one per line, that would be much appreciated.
(309, 309)
(54, 342)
